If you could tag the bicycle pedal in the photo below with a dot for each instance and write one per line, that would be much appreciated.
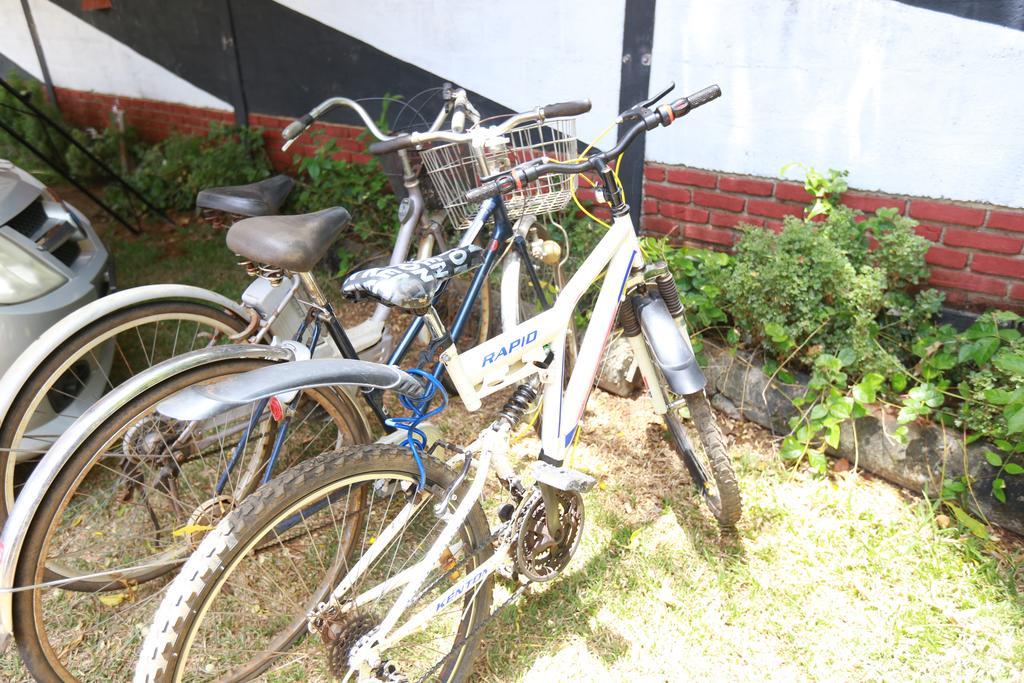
(562, 478)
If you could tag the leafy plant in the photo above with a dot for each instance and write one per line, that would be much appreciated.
(28, 126)
(827, 190)
(172, 172)
(325, 180)
(836, 297)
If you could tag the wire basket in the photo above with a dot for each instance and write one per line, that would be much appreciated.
(456, 168)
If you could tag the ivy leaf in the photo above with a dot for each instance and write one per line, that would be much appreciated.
(1012, 363)
(980, 351)
(817, 461)
(1013, 468)
(791, 449)
(832, 437)
(970, 523)
(993, 458)
(952, 487)
(998, 397)
(841, 409)
(847, 356)
(999, 489)
(1014, 418)
(898, 382)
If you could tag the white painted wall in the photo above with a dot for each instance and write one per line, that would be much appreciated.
(909, 100)
(84, 58)
(521, 54)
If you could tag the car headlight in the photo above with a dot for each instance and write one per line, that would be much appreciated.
(23, 276)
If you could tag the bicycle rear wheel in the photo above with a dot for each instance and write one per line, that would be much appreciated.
(91, 363)
(132, 503)
(239, 607)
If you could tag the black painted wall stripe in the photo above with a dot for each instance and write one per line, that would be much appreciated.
(288, 62)
(634, 85)
(1008, 13)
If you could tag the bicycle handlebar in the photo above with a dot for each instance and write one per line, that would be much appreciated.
(540, 114)
(529, 171)
(573, 108)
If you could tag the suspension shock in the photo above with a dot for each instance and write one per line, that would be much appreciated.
(669, 293)
(517, 405)
(627, 319)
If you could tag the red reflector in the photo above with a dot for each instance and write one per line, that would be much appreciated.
(276, 411)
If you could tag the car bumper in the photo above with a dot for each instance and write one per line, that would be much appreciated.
(21, 324)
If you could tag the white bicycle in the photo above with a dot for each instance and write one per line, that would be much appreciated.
(376, 563)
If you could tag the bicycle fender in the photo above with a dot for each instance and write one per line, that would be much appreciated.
(45, 472)
(672, 353)
(199, 403)
(55, 337)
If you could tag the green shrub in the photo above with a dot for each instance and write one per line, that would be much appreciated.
(836, 297)
(819, 286)
(25, 123)
(106, 145)
(173, 171)
(325, 180)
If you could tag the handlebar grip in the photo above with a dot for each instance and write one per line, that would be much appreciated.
(485, 191)
(684, 105)
(295, 128)
(574, 108)
(702, 97)
(392, 145)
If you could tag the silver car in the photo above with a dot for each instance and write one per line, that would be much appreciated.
(51, 261)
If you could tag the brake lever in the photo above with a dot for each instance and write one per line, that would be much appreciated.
(637, 110)
(670, 88)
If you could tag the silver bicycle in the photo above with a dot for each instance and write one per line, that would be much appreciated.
(125, 494)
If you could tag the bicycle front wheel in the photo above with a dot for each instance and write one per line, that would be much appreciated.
(133, 502)
(91, 363)
(707, 459)
(239, 607)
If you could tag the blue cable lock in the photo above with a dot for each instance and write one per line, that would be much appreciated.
(416, 439)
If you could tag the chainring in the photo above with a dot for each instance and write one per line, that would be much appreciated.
(539, 555)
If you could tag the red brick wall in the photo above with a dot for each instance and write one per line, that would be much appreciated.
(156, 120)
(976, 257)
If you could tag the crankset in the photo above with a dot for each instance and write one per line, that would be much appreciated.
(541, 555)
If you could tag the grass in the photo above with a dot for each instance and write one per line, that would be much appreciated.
(825, 579)
(837, 578)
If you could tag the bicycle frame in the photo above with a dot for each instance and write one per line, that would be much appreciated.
(535, 346)
(515, 355)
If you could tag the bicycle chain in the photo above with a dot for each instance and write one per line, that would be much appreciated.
(513, 524)
(515, 595)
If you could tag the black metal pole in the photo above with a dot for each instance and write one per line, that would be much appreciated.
(95, 159)
(240, 103)
(67, 176)
(635, 81)
(39, 52)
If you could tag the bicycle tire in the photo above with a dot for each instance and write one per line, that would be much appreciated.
(28, 407)
(171, 639)
(714, 478)
(43, 617)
